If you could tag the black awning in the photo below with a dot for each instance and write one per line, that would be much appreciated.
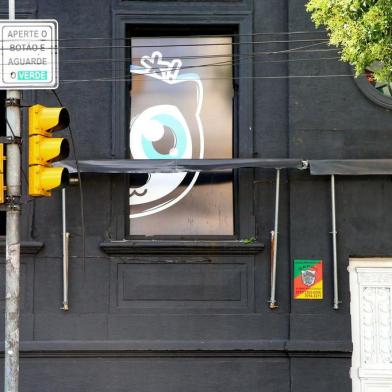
(351, 167)
(348, 167)
(178, 165)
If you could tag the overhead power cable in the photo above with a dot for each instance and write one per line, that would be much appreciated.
(234, 56)
(245, 59)
(298, 49)
(204, 35)
(205, 44)
(239, 62)
(113, 80)
(233, 35)
(176, 45)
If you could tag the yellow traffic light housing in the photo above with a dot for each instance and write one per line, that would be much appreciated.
(44, 121)
(44, 149)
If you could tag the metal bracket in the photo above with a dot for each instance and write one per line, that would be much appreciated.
(12, 102)
(305, 165)
(11, 140)
(13, 202)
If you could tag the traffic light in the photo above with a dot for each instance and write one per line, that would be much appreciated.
(45, 149)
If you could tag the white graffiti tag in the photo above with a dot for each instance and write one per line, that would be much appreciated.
(149, 127)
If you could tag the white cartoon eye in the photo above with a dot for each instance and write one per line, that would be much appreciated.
(150, 128)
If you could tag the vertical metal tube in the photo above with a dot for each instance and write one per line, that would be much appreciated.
(11, 353)
(334, 247)
(12, 269)
(272, 300)
(12, 274)
(11, 9)
(65, 251)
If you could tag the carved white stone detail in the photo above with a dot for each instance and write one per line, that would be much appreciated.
(368, 326)
(376, 325)
(384, 325)
(368, 277)
(371, 321)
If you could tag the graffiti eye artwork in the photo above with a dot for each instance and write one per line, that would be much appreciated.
(164, 126)
(176, 113)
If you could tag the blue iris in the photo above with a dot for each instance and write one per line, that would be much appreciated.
(179, 133)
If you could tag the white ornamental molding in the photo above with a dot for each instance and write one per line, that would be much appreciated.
(371, 322)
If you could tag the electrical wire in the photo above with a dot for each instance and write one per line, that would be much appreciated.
(236, 61)
(278, 33)
(35, 40)
(80, 184)
(9, 126)
(236, 57)
(113, 80)
(203, 36)
(302, 49)
(291, 50)
(320, 40)
(239, 62)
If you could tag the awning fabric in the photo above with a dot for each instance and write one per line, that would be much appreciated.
(177, 165)
(351, 167)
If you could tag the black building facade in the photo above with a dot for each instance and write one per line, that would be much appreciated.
(185, 308)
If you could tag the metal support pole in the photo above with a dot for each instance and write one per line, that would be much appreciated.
(334, 248)
(12, 274)
(65, 250)
(11, 9)
(272, 301)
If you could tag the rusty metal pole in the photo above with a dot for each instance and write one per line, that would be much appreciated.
(334, 246)
(12, 275)
(272, 301)
(65, 250)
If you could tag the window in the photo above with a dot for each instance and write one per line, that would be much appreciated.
(378, 92)
(237, 29)
(181, 107)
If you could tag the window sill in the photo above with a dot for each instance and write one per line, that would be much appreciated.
(137, 247)
(26, 247)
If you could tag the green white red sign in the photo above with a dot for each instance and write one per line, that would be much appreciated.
(308, 279)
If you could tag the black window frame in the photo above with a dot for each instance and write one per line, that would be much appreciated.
(3, 132)
(241, 28)
(172, 6)
(372, 93)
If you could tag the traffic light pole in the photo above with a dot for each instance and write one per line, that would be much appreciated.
(12, 275)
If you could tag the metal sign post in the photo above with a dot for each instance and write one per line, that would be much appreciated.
(12, 275)
(29, 60)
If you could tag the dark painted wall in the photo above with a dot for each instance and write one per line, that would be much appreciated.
(115, 337)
